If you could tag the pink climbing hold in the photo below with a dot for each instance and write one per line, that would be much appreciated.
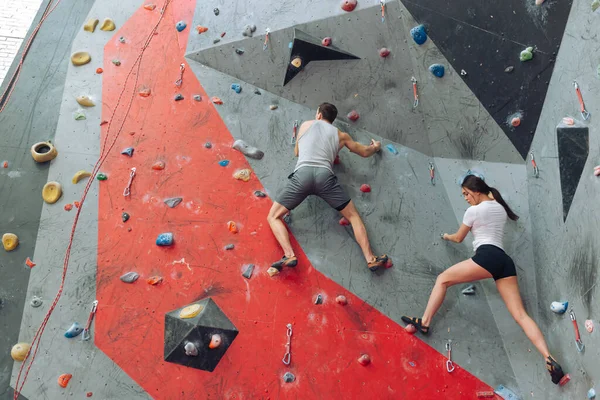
(410, 329)
(326, 41)
(515, 121)
(337, 160)
(589, 325)
(348, 5)
(344, 221)
(364, 360)
(597, 170)
(384, 52)
(365, 188)
(341, 299)
(353, 116)
(389, 264)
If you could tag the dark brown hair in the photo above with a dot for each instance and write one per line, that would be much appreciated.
(478, 185)
(328, 111)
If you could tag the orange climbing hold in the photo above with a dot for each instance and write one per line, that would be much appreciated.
(145, 92)
(515, 122)
(5, 164)
(159, 165)
(232, 227)
(99, 70)
(64, 379)
(201, 29)
(149, 7)
(68, 207)
(344, 221)
(77, 204)
(410, 328)
(154, 280)
(29, 263)
(215, 341)
(216, 100)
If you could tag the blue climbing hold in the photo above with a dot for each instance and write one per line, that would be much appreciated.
(224, 163)
(559, 307)
(419, 34)
(164, 239)
(460, 180)
(236, 88)
(180, 26)
(290, 45)
(74, 331)
(128, 151)
(392, 149)
(437, 70)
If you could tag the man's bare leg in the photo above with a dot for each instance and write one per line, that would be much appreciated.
(360, 232)
(279, 229)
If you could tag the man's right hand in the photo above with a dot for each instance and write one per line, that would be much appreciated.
(376, 144)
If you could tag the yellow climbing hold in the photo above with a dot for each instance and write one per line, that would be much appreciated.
(43, 152)
(108, 25)
(51, 192)
(90, 26)
(19, 351)
(297, 62)
(81, 58)
(79, 175)
(85, 101)
(242, 175)
(10, 241)
(190, 311)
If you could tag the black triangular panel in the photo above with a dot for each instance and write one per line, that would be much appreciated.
(484, 38)
(573, 148)
(306, 48)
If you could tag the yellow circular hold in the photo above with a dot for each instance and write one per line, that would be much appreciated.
(108, 25)
(297, 62)
(19, 351)
(90, 26)
(79, 175)
(51, 192)
(81, 58)
(85, 101)
(43, 152)
(190, 311)
(10, 241)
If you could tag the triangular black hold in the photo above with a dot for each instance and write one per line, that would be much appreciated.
(573, 148)
(305, 49)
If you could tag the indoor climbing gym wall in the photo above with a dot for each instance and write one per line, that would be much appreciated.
(144, 142)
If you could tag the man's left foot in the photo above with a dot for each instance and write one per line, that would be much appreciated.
(285, 262)
(555, 370)
(378, 262)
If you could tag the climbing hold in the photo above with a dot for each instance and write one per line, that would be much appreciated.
(77, 204)
(392, 149)
(43, 152)
(288, 377)
(80, 58)
(319, 299)
(216, 11)
(559, 307)
(130, 277)
(348, 5)
(117, 63)
(384, 52)
(64, 379)
(158, 166)
(568, 121)
(107, 25)
(248, 272)
(74, 331)
(239, 51)
(10, 241)
(79, 115)
(164, 239)
(389, 264)
(249, 30)
(154, 280)
(232, 227)
(149, 7)
(144, 92)
(296, 62)
(36, 302)
(68, 207)
(326, 41)
(215, 341)
(273, 107)
(539, 2)
(336, 161)
(128, 151)
(509, 69)
(365, 188)
(468, 290)
(178, 97)
(208, 145)
(197, 97)
(463, 72)
(190, 311)
(201, 29)
(247, 150)
(353, 116)
(589, 325)
(410, 328)
(223, 34)
(190, 349)
(85, 101)
(437, 70)
(122, 39)
(258, 193)
(5, 164)
(364, 360)
(29, 263)
(257, 91)
(180, 26)
(90, 26)
(526, 54)
(216, 40)
(79, 175)
(516, 121)
(101, 177)
(89, 394)
(125, 217)
(99, 70)
(51, 192)
(242, 175)
(230, 246)
(224, 163)
(595, 5)
(216, 100)
(173, 202)
(19, 351)
(236, 87)
(591, 394)
(419, 34)
(597, 170)
(341, 299)
(344, 221)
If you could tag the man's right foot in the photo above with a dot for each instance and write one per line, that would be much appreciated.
(378, 262)
(554, 369)
(285, 262)
(417, 323)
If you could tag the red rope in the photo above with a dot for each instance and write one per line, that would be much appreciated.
(103, 155)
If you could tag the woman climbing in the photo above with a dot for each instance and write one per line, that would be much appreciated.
(486, 219)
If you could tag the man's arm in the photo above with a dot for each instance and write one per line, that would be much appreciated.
(359, 148)
(459, 236)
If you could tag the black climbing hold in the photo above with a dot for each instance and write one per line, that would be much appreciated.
(509, 69)
(125, 217)
(256, 91)
(239, 51)
(178, 97)
(306, 49)
(288, 377)
(173, 201)
(197, 97)
(198, 330)
(247, 150)
(319, 299)
(128, 151)
(469, 290)
(248, 272)
(216, 11)
(573, 144)
(287, 218)
(216, 40)
(230, 246)
(208, 145)
(258, 193)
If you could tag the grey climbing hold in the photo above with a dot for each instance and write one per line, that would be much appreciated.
(36, 302)
(130, 277)
(208, 145)
(216, 11)
(248, 272)
(128, 151)
(239, 51)
(249, 30)
(191, 349)
(258, 193)
(230, 246)
(319, 299)
(256, 91)
(247, 150)
(173, 201)
(463, 72)
(509, 69)
(287, 218)
(178, 97)
(122, 39)
(273, 107)
(288, 377)
(197, 97)
(216, 40)
(74, 331)
(116, 62)
(125, 217)
(469, 290)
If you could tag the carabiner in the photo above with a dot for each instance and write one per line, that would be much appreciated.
(449, 363)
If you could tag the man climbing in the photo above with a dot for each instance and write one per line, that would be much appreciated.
(317, 145)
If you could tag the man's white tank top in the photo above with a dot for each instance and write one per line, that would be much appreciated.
(318, 146)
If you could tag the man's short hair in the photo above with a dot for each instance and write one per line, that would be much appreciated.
(328, 111)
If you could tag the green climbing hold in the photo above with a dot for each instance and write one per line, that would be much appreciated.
(101, 177)
(526, 54)
(79, 116)
(595, 5)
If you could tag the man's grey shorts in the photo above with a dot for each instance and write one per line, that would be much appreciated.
(313, 181)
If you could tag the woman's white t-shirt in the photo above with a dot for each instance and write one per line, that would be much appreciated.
(486, 220)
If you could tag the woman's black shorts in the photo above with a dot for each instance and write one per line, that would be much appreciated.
(494, 260)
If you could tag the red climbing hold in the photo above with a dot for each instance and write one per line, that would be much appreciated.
(564, 380)
(159, 165)
(89, 394)
(326, 41)
(154, 280)
(364, 360)
(341, 300)
(144, 92)
(103, 123)
(68, 207)
(64, 379)
(515, 122)
(223, 34)
(365, 188)
(99, 70)
(344, 221)
(149, 7)
(389, 263)
(216, 100)
(201, 29)
(5, 164)
(337, 160)
(384, 52)
(348, 5)
(29, 263)
(232, 227)
(77, 204)
(353, 116)
(410, 329)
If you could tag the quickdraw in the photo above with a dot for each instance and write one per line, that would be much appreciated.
(449, 363)
(287, 358)
(584, 113)
(578, 341)
(127, 190)
(432, 173)
(415, 92)
(86, 331)
(382, 10)
(268, 31)
(295, 131)
(536, 171)
(179, 81)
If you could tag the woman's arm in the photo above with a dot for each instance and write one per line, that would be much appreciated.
(459, 236)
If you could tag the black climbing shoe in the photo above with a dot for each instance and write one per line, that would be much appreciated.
(417, 323)
(378, 262)
(554, 370)
(285, 262)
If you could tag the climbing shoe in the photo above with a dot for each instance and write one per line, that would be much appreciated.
(417, 323)
(554, 370)
(378, 262)
(285, 262)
